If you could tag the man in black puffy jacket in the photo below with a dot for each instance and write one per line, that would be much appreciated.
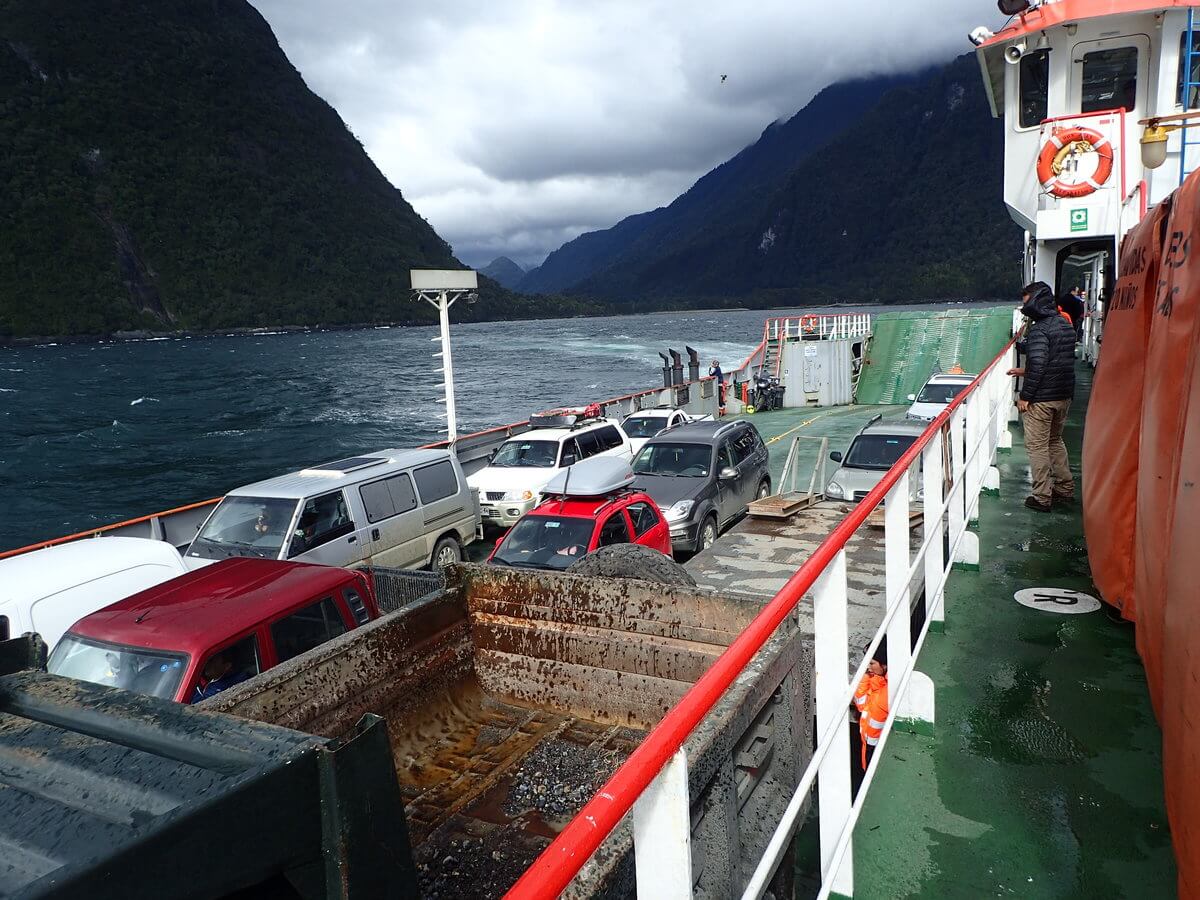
(1046, 393)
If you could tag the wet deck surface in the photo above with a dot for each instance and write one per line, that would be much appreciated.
(757, 556)
(1044, 776)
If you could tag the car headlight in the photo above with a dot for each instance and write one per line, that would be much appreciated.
(519, 495)
(835, 491)
(680, 511)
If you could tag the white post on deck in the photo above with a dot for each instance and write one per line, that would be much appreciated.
(896, 563)
(831, 666)
(662, 834)
(934, 482)
(441, 288)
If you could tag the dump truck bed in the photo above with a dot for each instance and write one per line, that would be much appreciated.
(511, 696)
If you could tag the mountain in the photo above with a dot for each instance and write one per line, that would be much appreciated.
(163, 166)
(727, 188)
(504, 272)
(903, 204)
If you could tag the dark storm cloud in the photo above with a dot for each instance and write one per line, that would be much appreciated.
(514, 126)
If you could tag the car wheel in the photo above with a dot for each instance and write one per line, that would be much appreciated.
(764, 490)
(632, 561)
(446, 552)
(707, 535)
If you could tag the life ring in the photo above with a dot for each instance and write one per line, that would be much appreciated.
(808, 324)
(1059, 146)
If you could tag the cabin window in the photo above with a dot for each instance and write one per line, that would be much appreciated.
(1109, 80)
(307, 628)
(1034, 84)
(1193, 89)
(436, 482)
(323, 519)
(387, 498)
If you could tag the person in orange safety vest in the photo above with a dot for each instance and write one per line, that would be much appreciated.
(871, 701)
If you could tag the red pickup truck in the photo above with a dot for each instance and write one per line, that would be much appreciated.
(193, 636)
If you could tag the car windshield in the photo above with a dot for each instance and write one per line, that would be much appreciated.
(526, 455)
(152, 672)
(644, 426)
(681, 460)
(877, 451)
(942, 392)
(545, 542)
(245, 526)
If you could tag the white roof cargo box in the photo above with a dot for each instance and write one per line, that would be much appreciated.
(593, 477)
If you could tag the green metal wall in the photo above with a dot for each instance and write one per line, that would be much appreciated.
(907, 347)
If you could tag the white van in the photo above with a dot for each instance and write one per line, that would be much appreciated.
(49, 590)
(511, 483)
(401, 508)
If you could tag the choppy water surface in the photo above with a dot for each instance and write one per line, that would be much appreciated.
(92, 434)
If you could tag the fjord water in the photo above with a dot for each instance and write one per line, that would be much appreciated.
(92, 434)
(95, 433)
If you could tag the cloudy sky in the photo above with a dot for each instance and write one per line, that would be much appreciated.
(515, 125)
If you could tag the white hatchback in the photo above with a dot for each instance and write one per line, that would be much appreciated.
(511, 483)
(936, 395)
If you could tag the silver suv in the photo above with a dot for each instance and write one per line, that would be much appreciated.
(873, 451)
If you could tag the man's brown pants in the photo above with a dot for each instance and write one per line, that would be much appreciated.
(1047, 452)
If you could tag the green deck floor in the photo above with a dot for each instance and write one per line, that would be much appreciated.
(1044, 774)
(839, 423)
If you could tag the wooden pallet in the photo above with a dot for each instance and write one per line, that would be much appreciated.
(875, 519)
(780, 506)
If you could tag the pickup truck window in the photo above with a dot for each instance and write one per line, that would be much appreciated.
(358, 608)
(245, 526)
(322, 520)
(135, 669)
(436, 482)
(307, 628)
(388, 497)
(224, 668)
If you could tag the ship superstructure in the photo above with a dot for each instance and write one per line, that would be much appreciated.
(1076, 82)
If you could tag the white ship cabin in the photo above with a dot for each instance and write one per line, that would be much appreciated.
(1072, 79)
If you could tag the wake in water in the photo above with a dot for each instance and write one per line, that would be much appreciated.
(142, 400)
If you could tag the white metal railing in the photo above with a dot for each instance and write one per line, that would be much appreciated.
(840, 326)
(956, 455)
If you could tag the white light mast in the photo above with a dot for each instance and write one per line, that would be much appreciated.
(441, 288)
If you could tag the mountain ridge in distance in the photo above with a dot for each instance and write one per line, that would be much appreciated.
(504, 271)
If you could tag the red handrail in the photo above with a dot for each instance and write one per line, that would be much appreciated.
(553, 870)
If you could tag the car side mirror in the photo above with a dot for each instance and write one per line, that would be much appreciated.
(568, 460)
(726, 473)
(836, 456)
(912, 397)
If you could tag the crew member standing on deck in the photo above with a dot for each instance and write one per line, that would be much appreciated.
(1074, 306)
(1046, 392)
(871, 701)
(715, 371)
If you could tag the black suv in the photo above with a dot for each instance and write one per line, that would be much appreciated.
(703, 476)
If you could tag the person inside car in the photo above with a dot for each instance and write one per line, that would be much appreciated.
(219, 674)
